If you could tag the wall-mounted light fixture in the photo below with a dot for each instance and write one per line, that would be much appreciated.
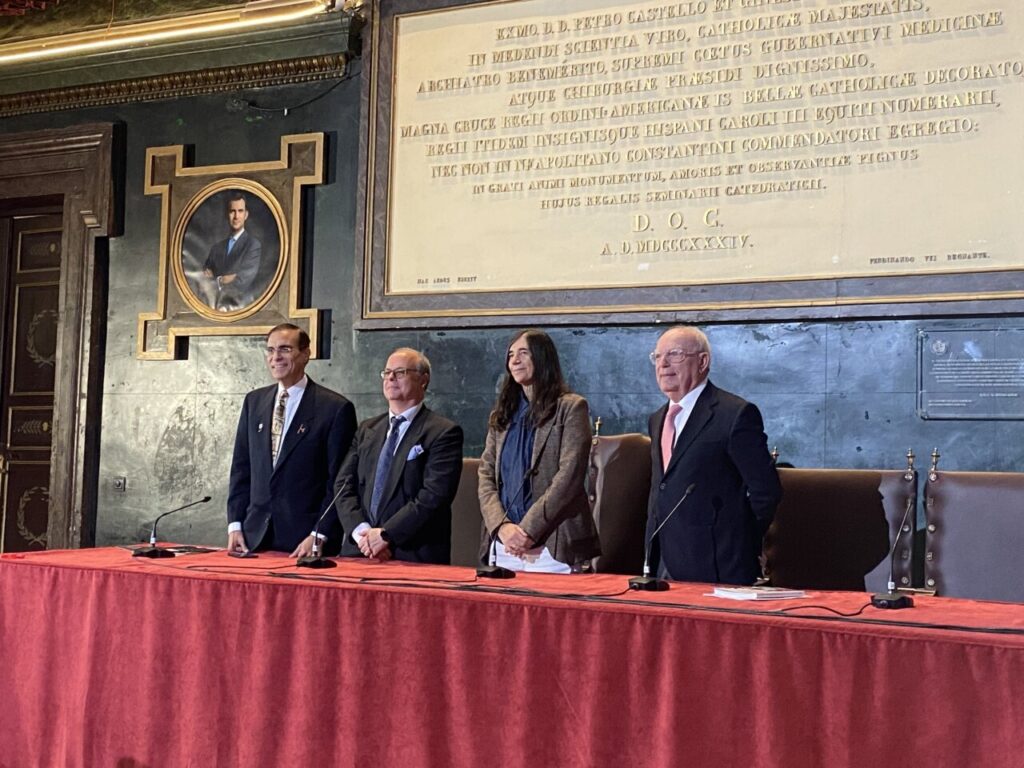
(254, 14)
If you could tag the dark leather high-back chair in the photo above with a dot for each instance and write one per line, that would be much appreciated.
(974, 535)
(619, 481)
(467, 522)
(834, 529)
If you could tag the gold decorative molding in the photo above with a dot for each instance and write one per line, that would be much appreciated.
(220, 79)
(184, 190)
(121, 36)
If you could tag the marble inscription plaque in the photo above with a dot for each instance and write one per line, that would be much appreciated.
(971, 374)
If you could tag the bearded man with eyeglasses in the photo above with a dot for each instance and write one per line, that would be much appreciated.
(397, 484)
(714, 441)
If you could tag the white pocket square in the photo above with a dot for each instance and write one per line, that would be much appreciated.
(414, 452)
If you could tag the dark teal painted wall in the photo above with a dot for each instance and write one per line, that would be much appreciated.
(832, 393)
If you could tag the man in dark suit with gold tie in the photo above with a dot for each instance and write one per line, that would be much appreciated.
(292, 437)
(399, 479)
(714, 440)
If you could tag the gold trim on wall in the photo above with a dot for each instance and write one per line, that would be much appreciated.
(696, 306)
(178, 85)
(279, 184)
(255, 13)
(46, 426)
(177, 243)
(20, 245)
(16, 317)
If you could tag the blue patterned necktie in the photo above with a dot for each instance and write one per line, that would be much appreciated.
(384, 462)
(231, 243)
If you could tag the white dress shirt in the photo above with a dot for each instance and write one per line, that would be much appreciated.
(689, 400)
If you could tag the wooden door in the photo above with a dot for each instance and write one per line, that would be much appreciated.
(30, 269)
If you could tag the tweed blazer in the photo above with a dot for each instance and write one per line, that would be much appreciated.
(560, 516)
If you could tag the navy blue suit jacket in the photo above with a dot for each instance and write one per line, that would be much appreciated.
(716, 534)
(294, 493)
(416, 509)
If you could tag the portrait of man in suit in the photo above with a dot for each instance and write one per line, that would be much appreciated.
(713, 440)
(234, 262)
(399, 479)
(292, 437)
(233, 268)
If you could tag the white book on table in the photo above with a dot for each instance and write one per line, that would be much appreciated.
(758, 593)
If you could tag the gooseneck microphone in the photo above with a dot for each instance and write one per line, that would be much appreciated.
(314, 559)
(645, 583)
(492, 570)
(892, 599)
(153, 550)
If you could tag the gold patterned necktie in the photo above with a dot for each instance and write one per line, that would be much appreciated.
(277, 426)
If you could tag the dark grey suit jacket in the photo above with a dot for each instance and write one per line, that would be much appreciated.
(294, 493)
(716, 534)
(416, 509)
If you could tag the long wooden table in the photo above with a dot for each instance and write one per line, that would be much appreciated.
(205, 660)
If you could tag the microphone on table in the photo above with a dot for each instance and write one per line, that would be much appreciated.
(646, 583)
(492, 570)
(153, 550)
(314, 559)
(891, 598)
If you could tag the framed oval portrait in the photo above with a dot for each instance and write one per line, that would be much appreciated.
(231, 239)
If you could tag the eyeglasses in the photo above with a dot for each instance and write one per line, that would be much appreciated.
(673, 356)
(400, 373)
(285, 349)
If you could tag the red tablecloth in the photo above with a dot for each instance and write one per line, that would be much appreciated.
(209, 661)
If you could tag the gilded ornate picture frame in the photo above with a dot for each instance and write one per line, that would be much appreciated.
(230, 256)
(220, 277)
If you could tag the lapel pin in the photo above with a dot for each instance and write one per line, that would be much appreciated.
(260, 427)
(302, 429)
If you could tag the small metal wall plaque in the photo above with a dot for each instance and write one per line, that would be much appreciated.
(970, 374)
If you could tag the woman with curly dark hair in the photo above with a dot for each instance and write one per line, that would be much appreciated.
(532, 471)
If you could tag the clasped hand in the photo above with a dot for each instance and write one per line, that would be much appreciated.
(515, 540)
(373, 545)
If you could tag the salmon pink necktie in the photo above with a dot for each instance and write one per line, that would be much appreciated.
(668, 434)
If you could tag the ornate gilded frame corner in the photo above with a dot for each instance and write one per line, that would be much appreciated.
(189, 196)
